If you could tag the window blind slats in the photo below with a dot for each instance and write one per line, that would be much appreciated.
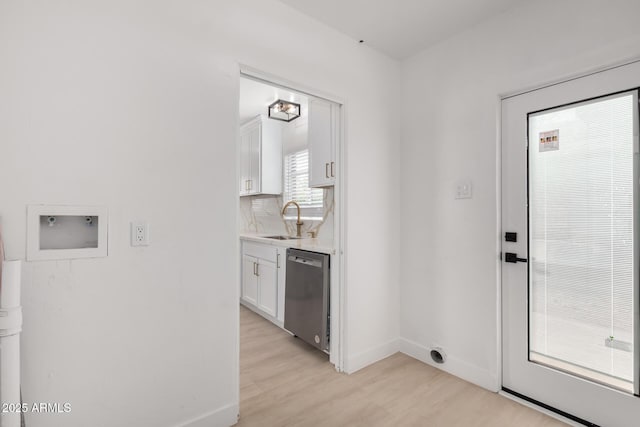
(296, 185)
(581, 235)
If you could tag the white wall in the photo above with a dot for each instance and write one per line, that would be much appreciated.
(450, 93)
(133, 105)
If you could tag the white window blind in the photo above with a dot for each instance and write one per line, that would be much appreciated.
(296, 187)
(581, 236)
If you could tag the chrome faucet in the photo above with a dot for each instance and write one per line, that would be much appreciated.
(298, 222)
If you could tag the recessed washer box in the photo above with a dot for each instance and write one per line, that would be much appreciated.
(66, 232)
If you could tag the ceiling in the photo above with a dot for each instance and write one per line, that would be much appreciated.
(255, 98)
(401, 28)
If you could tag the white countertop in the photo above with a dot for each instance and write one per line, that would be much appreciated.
(304, 244)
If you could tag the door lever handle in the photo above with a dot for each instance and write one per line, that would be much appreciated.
(513, 258)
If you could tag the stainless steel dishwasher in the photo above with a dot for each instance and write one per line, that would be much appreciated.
(306, 305)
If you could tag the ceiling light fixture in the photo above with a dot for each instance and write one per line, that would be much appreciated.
(284, 110)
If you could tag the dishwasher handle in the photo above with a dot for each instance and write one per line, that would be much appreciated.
(305, 261)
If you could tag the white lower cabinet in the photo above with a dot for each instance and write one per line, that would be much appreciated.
(263, 279)
(249, 280)
(267, 287)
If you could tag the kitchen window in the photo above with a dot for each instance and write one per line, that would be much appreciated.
(296, 187)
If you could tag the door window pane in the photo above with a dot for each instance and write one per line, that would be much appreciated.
(581, 234)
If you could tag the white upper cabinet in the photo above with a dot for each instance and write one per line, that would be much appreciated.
(246, 133)
(323, 131)
(261, 157)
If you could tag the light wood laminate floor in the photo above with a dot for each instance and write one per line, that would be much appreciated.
(285, 382)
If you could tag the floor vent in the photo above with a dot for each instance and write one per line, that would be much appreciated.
(437, 355)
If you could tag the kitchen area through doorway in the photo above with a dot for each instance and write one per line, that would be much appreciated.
(288, 227)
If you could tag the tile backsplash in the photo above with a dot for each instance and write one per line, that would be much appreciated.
(261, 214)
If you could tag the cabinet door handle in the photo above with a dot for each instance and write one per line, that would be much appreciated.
(277, 260)
(326, 170)
(254, 269)
(332, 171)
(257, 269)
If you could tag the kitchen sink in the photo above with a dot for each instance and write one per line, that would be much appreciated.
(282, 237)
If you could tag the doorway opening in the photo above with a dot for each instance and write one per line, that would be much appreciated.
(290, 211)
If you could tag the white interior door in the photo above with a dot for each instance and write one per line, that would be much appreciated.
(570, 271)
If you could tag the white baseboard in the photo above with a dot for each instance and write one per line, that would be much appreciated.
(221, 417)
(358, 361)
(454, 366)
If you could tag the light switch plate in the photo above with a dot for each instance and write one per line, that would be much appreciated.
(463, 190)
(139, 233)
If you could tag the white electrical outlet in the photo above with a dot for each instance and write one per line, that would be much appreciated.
(463, 190)
(139, 233)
